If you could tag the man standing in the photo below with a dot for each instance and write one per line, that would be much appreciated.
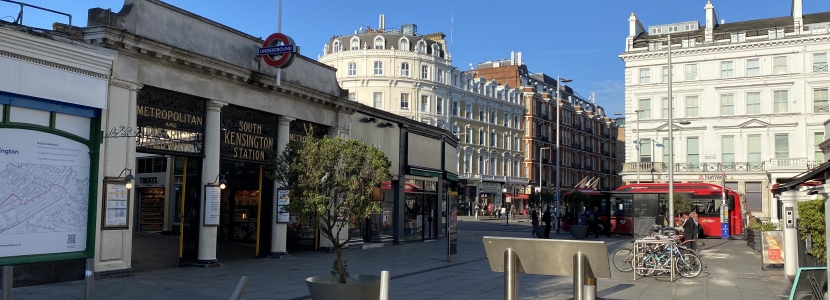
(546, 219)
(592, 221)
(688, 230)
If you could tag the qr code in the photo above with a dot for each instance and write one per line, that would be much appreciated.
(70, 239)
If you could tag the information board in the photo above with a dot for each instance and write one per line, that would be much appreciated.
(213, 203)
(115, 205)
(282, 206)
(645, 205)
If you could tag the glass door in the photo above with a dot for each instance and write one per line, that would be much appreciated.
(429, 216)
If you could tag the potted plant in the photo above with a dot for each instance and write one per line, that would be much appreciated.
(535, 202)
(330, 181)
(576, 200)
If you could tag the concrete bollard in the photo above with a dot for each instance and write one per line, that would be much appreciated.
(590, 292)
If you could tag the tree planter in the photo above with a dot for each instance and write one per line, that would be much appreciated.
(357, 287)
(753, 239)
(540, 231)
(579, 231)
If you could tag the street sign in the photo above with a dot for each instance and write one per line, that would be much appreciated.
(278, 50)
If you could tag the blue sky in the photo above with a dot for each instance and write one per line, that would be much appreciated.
(577, 39)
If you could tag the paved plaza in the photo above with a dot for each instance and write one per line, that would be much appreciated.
(420, 271)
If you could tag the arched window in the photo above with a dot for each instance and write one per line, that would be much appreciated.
(516, 143)
(506, 165)
(404, 69)
(354, 44)
(468, 160)
(516, 166)
(494, 139)
(507, 142)
(352, 68)
(455, 128)
(336, 46)
(403, 44)
(481, 136)
(481, 169)
(492, 169)
(468, 138)
(326, 49)
(422, 46)
(436, 51)
(380, 43)
(424, 72)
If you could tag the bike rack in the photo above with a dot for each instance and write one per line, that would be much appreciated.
(647, 242)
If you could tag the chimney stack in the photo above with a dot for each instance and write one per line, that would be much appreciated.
(711, 21)
(634, 29)
(382, 22)
(798, 16)
(512, 58)
(519, 57)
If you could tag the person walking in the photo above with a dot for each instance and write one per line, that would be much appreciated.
(591, 217)
(547, 219)
(693, 216)
(534, 220)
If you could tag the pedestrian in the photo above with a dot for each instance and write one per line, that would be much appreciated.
(504, 213)
(534, 220)
(591, 216)
(688, 225)
(750, 219)
(693, 216)
(547, 219)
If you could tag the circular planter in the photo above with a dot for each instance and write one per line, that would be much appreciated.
(357, 287)
(579, 231)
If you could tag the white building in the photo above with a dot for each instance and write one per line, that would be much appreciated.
(400, 71)
(755, 92)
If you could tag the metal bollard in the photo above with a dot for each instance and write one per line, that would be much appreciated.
(240, 287)
(89, 278)
(590, 292)
(511, 278)
(384, 285)
(6, 289)
(580, 260)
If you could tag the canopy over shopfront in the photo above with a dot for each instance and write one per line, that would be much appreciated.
(814, 177)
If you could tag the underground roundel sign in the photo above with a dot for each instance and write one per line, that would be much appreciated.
(278, 50)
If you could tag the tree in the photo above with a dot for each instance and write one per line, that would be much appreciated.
(576, 200)
(330, 181)
(681, 203)
(538, 199)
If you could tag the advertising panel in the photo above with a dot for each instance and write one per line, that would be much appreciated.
(44, 193)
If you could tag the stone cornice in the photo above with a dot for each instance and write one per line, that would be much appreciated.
(644, 54)
(66, 55)
(129, 44)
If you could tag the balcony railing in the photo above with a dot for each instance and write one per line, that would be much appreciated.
(517, 180)
(576, 166)
(589, 168)
(544, 117)
(606, 136)
(775, 164)
(542, 138)
(606, 153)
(545, 161)
(589, 149)
(606, 171)
(577, 126)
(576, 146)
(589, 130)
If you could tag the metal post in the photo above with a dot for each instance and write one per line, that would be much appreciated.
(580, 277)
(590, 292)
(558, 159)
(384, 285)
(511, 278)
(8, 274)
(671, 142)
(240, 288)
(89, 278)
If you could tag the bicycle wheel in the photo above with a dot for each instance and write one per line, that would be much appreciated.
(688, 266)
(643, 268)
(623, 260)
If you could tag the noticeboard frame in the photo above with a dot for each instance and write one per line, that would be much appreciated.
(110, 196)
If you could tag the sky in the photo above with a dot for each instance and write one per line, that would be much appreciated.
(576, 39)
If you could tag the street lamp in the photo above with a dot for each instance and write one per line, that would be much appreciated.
(558, 151)
(637, 139)
(541, 150)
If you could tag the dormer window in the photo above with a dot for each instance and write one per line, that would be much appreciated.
(354, 44)
(658, 30)
(436, 50)
(673, 28)
(336, 46)
(379, 43)
(403, 44)
(737, 37)
(422, 47)
(690, 27)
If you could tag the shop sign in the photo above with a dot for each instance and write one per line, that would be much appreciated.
(169, 123)
(246, 134)
(278, 50)
(490, 185)
(423, 151)
(298, 131)
(713, 177)
(150, 179)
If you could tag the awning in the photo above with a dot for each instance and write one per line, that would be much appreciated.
(814, 177)
(523, 197)
(409, 188)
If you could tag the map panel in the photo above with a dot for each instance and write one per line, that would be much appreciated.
(44, 193)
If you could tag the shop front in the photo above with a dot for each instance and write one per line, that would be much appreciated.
(490, 196)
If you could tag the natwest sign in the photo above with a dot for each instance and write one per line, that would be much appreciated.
(278, 50)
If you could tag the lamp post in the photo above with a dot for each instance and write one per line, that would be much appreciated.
(558, 152)
(541, 150)
(671, 138)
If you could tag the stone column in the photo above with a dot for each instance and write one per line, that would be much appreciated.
(210, 171)
(773, 203)
(279, 231)
(789, 198)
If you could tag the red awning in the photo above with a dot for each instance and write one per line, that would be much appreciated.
(508, 195)
(523, 197)
(409, 188)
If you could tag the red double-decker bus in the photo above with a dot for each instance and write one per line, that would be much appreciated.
(705, 199)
